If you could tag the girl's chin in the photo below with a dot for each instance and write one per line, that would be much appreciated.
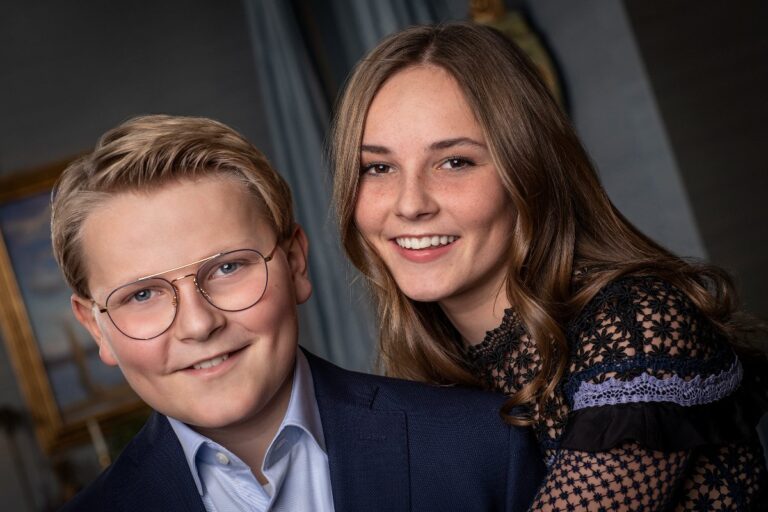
(424, 295)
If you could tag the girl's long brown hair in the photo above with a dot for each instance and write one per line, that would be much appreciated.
(565, 225)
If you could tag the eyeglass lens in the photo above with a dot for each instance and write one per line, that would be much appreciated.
(233, 281)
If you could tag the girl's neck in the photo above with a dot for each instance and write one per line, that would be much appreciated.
(474, 318)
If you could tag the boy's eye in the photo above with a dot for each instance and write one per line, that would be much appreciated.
(455, 163)
(235, 267)
(142, 295)
(374, 169)
(226, 268)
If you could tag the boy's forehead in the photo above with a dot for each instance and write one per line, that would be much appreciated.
(136, 233)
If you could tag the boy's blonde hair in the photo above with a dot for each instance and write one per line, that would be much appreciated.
(146, 153)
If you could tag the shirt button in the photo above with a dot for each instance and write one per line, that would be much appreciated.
(222, 458)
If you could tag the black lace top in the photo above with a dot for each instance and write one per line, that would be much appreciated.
(656, 412)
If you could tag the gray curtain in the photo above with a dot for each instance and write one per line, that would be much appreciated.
(335, 322)
(368, 21)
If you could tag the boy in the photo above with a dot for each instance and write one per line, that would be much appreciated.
(178, 240)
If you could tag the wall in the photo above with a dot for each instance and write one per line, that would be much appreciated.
(708, 65)
(617, 119)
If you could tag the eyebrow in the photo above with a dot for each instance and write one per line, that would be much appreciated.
(440, 144)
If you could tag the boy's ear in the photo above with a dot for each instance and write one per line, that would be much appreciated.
(296, 250)
(86, 312)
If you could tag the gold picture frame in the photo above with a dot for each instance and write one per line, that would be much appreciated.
(70, 394)
(513, 24)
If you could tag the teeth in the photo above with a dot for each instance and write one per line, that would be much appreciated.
(211, 362)
(424, 242)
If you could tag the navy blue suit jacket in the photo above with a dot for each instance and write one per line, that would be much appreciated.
(392, 446)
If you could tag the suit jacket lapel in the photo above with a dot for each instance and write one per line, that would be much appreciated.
(367, 448)
(159, 478)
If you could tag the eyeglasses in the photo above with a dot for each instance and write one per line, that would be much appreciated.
(230, 281)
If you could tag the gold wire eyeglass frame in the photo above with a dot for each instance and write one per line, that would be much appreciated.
(194, 276)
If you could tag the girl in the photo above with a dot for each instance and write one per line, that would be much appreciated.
(495, 257)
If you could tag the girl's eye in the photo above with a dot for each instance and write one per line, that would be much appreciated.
(455, 163)
(374, 169)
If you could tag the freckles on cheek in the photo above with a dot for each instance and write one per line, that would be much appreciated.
(357, 214)
(371, 201)
(368, 222)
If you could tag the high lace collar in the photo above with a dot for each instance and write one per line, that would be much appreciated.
(507, 331)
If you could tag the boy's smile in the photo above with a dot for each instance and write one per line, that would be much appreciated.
(211, 369)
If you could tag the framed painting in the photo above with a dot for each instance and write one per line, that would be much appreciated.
(69, 392)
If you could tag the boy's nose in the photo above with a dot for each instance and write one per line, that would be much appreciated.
(196, 318)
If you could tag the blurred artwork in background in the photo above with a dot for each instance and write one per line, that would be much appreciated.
(513, 24)
(69, 356)
(68, 391)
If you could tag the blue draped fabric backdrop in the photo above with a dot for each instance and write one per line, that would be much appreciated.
(334, 323)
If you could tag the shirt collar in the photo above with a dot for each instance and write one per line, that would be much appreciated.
(190, 442)
(302, 412)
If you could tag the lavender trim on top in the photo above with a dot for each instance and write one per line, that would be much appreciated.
(647, 388)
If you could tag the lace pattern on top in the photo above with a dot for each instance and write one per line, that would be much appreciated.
(506, 360)
(645, 334)
(647, 388)
(629, 479)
